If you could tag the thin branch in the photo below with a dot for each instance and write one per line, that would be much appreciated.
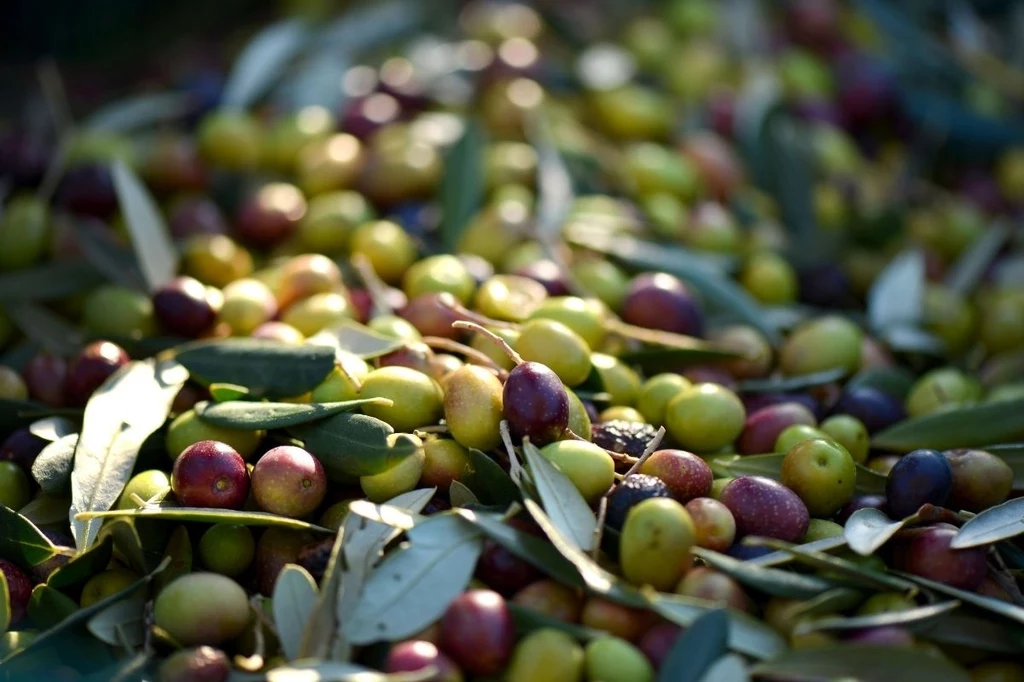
(500, 342)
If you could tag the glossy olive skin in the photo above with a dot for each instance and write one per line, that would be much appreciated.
(535, 403)
(661, 301)
(210, 474)
(765, 507)
(877, 409)
(763, 427)
(90, 368)
(980, 479)
(929, 555)
(183, 307)
(919, 477)
(478, 632)
(686, 475)
(413, 655)
(289, 481)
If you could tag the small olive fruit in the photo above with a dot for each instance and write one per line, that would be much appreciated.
(416, 398)
(588, 466)
(439, 274)
(941, 389)
(331, 219)
(822, 473)
(248, 303)
(546, 655)
(146, 485)
(705, 417)
(343, 382)
(202, 608)
(106, 583)
(227, 548)
(654, 548)
(399, 479)
(656, 393)
(820, 344)
(585, 316)
(388, 248)
(188, 429)
(473, 407)
(851, 433)
(619, 379)
(611, 659)
(557, 346)
(318, 312)
(115, 311)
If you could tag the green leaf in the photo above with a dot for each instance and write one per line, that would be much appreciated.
(489, 481)
(527, 620)
(110, 257)
(222, 393)
(45, 510)
(266, 368)
(562, 501)
(842, 569)
(780, 557)
(868, 529)
(82, 566)
(127, 543)
(875, 620)
(863, 663)
(82, 615)
(896, 381)
(157, 256)
(771, 581)
(996, 606)
(179, 553)
(129, 406)
(460, 496)
(49, 281)
(139, 111)
(959, 427)
(262, 62)
(253, 416)
(358, 339)
(52, 467)
(555, 194)
(897, 296)
(997, 523)
(50, 331)
(697, 648)
(747, 635)
(980, 632)
(530, 548)
(21, 542)
(52, 428)
(295, 597)
(729, 668)
(206, 515)
(786, 384)
(413, 586)
(47, 607)
(831, 601)
(354, 444)
(462, 186)
(963, 277)
(122, 624)
(5, 603)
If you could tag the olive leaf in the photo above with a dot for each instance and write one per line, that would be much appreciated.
(997, 523)
(896, 381)
(562, 501)
(154, 249)
(204, 515)
(358, 339)
(782, 556)
(48, 281)
(122, 624)
(997, 606)
(82, 615)
(847, 571)
(772, 581)
(50, 331)
(45, 510)
(20, 540)
(782, 384)
(867, 663)
(51, 428)
(295, 597)
(527, 620)
(958, 427)
(83, 566)
(350, 444)
(265, 368)
(129, 406)
(51, 469)
(970, 268)
(108, 256)
(696, 649)
(222, 393)
(891, 618)
(829, 602)
(729, 668)
(462, 185)
(489, 481)
(460, 496)
(1013, 455)
(47, 607)
(262, 62)
(178, 552)
(896, 297)
(868, 529)
(139, 111)
(393, 517)
(747, 635)
(413, 586)
(253, 416)
(5, 603)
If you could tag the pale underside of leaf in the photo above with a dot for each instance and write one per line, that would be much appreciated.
(295, 597)
(562, 501)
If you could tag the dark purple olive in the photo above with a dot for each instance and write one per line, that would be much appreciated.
(875, 408)
(536, 404)
(918, 477)
(88, 189)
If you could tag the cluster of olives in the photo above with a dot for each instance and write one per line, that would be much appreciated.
(291, 225)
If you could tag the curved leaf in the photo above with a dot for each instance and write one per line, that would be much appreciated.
(868, 529)
(52, 467)
(561, 499)
(108, 256)
(694, 652)
(462, 186)
(959, 427)
(253, 416)
(997, 523)
(897, 295)
(354, 444)
(48, 607)
(295, 596)
(266, 368)
(139, 111)
(262, 62)
(990, 604)
(772, 581)
(122, 624)
(20, 540)
(157, 256)
(875, 620)
(206, 515)
(358, 339)
(862, 662)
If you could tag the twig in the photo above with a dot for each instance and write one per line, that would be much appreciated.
(436, 428)
(515, 468)
(473, 316)
(1002, 576)
(616, 456)
(602, 513)
(442, 343)
(374, 285)
(652, 446)
(500, 342)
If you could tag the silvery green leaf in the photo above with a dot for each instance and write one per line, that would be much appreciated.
(562, 501)
(868, 529)
(122, 624)
(974, 262)
(262, 61)
(997, 523)
(295, 597)
(139, 111)
(459, 495)
(413, 586)
(51, 428)
(154, 249)
(896, 297)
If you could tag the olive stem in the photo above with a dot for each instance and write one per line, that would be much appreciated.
(473, 316)
(455, 347)
(515, 469)
(616, 456)
(1002, 576)
(501, 343)
(437, 428)
(648, 451)
(602, 513)
(374, 285)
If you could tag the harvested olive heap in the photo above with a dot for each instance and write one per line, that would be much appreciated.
(670, 342)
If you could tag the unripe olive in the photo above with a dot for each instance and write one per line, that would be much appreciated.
(329, 164)
(586, 317)
(115, 311)
(439, 274)
(611, 659)
(216, 259)
(603, 279)
(445, 460)
(509, 297)
(227, 548)
(557, 346)
(473, 407)
(769, 279)
(248, 303)
(618, 379)
(820, 344)
(705, 417)
(654, 548)
(656, 393)
(546, 655)
(579, 418)
(416, 398)
(202, 608)
(388, 248)
(399, 479)
(146, 485)
(588, 466)
(489, 348)
(106, 583)
(331, 219)
(24, 232)
(188, 429)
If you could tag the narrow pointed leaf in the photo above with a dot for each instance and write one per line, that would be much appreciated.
(266, 368)
(772, 581)
(868, 529)
(555, 191)
(960, 427)
(48, 607)
(864, 663)
(489, 481)
(413, 586)
(350, 444)
(52, 468)
(121, 624)
(843, 570)
(747, 635)
(697, 649)
(50, 331)
(897, 295)
(780, 557)
(252, 416)
(82, 566)
(206, 515)
(561, 499)
(45, 510)
(970, 268)
(108, 256)
(48, 281)
(527, 620)
(139, 111)
(295, 596)
(462, 186)
(786, 384)
(20, 540)
(358, 339)
(997, 523)
(460, 496)
(892, 618)
(157, 256)
(262, 62)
